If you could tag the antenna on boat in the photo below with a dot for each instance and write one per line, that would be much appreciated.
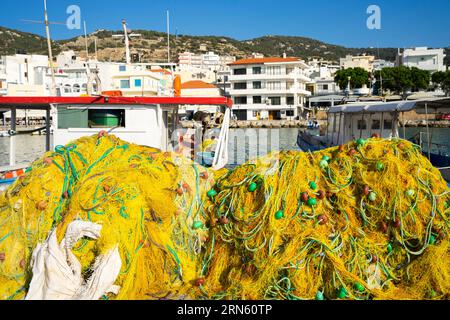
(50, 54)
(127, 35)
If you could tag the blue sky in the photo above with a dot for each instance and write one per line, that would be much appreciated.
(343, 22)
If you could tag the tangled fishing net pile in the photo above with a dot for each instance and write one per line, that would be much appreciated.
(366, 220)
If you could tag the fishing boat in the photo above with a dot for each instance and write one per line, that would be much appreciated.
(363, 120)
(147, 121)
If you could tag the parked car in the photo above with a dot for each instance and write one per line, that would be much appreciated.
(443, 116)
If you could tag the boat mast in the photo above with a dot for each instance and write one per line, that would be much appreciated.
(168, 36)
(127, 42)
(50, 55)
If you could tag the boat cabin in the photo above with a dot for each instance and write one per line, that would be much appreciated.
(148, 121)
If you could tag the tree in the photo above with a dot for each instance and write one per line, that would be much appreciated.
(442, 79)
(358, 77)
(402, 79)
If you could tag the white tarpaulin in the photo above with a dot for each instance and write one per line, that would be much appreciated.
(57, 272)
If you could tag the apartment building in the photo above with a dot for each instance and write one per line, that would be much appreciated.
(208, 61)
(423, 58)
(363, 61)
(268, 88)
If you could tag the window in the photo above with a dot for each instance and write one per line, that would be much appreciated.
(67, 88)
(274, 71)
(289, 113)
(240, 100)
(257, 85)
(325, 87)
(257, 99)
(274, 85)
(257, 70)
(138, 83)
(362, 125)
(122, 68)
(387, 124)
(240, 86)
(376, 124)
(290, 101)
(239, 71)
(101, 118)
(275, 101)
(125, 84)
(76, 88)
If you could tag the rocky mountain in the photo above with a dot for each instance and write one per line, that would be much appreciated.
(152, 46)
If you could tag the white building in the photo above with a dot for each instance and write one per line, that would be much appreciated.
(268, 88)
(3, 78)
(322, 76)
(423, 58)
(363, 61)
(198, 88)
(379, 64)
(209, 61)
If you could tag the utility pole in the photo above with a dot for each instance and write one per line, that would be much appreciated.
(50, 54)
(127, 42)
(86, 42)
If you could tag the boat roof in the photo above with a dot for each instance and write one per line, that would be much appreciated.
(432, 105)
(45, 102)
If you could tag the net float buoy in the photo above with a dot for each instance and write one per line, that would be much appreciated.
(65, 195)
(311, 202)
(204, 175)
(323, 164)
(322, 219)
(342, 293)
(374, 258)
(389, 248)
(102, 133)
(351, 152)
(313, 185)
(397, 223)
(197, 225)
(41, 205)
(279, 215)
(200, 282)
(179, 191)
(252, 187)
(186, 187)
(48, 161)
(359, 287)
(304, 197)
(106, 188)
(319, 296)
(380, 166)
(360, 142)
(410, 193)
(211, 193)
(401, 146)
(372, 196)
(224, 220)
(321, 194)
(432, 240)
(383, 227)
(376, 136)
(2, 256)
(326, 158)
(366, 190)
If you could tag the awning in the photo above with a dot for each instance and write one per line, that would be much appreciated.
(441, 105)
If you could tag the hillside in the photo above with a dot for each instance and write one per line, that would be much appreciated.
(152, 46)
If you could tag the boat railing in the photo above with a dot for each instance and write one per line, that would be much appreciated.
(424, 140)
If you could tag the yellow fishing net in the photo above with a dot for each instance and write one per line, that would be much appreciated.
(366, 220)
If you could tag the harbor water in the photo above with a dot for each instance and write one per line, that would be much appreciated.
(244, 144)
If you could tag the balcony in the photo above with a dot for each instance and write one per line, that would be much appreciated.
(265, 76)
(266, 91)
